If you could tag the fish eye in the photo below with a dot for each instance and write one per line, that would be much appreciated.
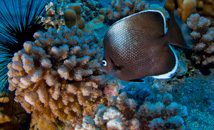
(104, 62)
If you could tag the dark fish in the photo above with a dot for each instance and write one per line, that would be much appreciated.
(138, 46)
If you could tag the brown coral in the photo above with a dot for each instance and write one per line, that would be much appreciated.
(203, 35)
(3, 117)
(42, 124)
(72, 16)
(90, 9)
(95, 24)
(170, 5)
(120, 8)
(54, 16)
(126, 114)
(12, 115)
(188, 7)
(63, 13)
(58, 75)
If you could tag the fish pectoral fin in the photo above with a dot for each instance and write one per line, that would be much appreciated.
(118, 67)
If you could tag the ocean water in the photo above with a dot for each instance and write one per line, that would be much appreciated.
(195, 90)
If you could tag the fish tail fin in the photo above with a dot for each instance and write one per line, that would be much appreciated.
(178, 33)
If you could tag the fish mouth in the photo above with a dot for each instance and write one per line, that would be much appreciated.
(103, 69)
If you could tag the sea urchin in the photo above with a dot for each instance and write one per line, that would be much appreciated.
(19, 19)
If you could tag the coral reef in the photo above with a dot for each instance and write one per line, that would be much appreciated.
(70, 13)
(12, 115)
(125, 113)
(120, 8)
(42, 124)
(94, 25)
(58, 75)
(203, 35)
(54, 15)
(187, 7)
(170, 5)
(3, 117)
(72, 16)
(90, 9)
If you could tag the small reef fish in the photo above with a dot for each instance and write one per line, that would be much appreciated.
(138, 46)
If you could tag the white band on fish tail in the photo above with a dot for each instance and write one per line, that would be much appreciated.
(172, 72)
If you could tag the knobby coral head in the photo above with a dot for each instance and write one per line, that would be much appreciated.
(58, 75)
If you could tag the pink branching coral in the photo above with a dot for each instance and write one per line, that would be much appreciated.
(126, 114)
(203, 35)
(121, 8)
(58, 75)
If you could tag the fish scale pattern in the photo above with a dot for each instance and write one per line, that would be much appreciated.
(136, 49)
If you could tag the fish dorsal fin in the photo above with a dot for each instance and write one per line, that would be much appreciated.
(147, 22)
